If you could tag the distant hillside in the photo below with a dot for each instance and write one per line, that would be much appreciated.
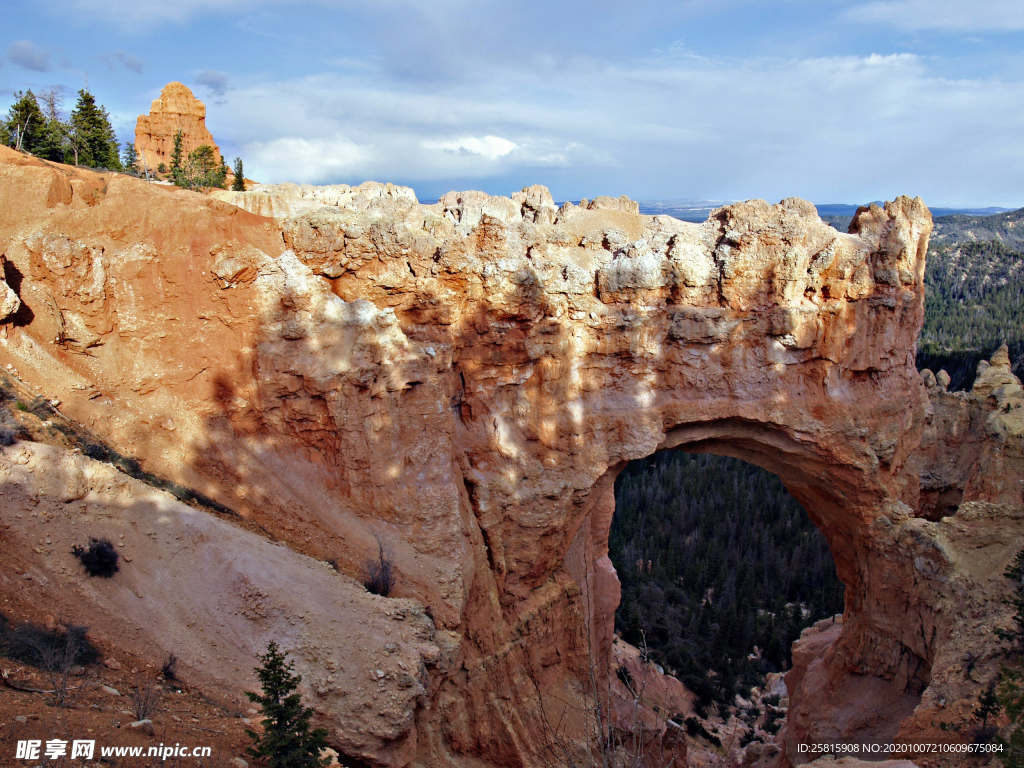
(1006, 228)
(956, 221)
(687, 210)
(974, 301)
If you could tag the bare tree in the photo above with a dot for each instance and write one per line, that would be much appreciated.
(56, 655)
(379, 574)
(616, 734)
(51, 100)
(145, 701)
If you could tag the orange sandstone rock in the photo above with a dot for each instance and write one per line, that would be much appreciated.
(175, 110)
(467, 379)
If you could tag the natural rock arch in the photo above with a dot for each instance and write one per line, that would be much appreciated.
(470, 375)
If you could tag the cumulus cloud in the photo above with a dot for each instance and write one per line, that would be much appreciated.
(949, 15)
(314, 161)
(843, 128)
(28, 55)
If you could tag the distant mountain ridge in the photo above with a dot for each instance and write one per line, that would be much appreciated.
(1006, 228)
(836, 214)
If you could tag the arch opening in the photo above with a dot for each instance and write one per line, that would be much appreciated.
(720, 571)
(860, 677)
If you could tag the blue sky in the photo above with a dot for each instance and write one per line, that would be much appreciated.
(694, 99)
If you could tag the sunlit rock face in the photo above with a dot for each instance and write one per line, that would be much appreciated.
(465, 379)
(176, 109)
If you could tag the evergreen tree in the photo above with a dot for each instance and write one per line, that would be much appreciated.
(1014, 637)
(92, 135)
(287, 741)
(988, 707)
(53, 138)
(25, 122)
(177, 157)
(200, 170)
(222, 173)
(238, 185)
(130, 158)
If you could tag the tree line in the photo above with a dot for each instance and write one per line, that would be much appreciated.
(38, 126)
(85, 137)
(974, 301)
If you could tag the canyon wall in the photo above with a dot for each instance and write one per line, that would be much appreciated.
(464, 380)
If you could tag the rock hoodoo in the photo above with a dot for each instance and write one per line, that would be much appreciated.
(466, 379)
(175, 110)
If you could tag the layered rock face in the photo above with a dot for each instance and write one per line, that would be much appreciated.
(467, 379)
(175, 110)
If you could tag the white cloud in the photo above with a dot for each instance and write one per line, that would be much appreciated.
(491, 147)
(28, 55)
(136, 14)
(951, 15)
(311, 161)
(834, 129)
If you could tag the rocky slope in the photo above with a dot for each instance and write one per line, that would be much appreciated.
(467, 379)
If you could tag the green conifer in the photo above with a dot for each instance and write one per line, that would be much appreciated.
(286, 741)
(130, 158)
(177, 157)
(238, 185)
(222, 173)
(92, 134)
(200, 170)
(25, 122)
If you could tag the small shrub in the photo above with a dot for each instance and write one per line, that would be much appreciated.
(100, 559)
(695, 728)
(170, 667)
(773, 721)
(132, 467)
(379, 573)
(625, 677)
(54, 653)
(97, 452)
(145, 702)
(8, 435)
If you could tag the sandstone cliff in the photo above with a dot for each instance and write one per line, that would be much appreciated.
(175, 110)
(468, 378)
